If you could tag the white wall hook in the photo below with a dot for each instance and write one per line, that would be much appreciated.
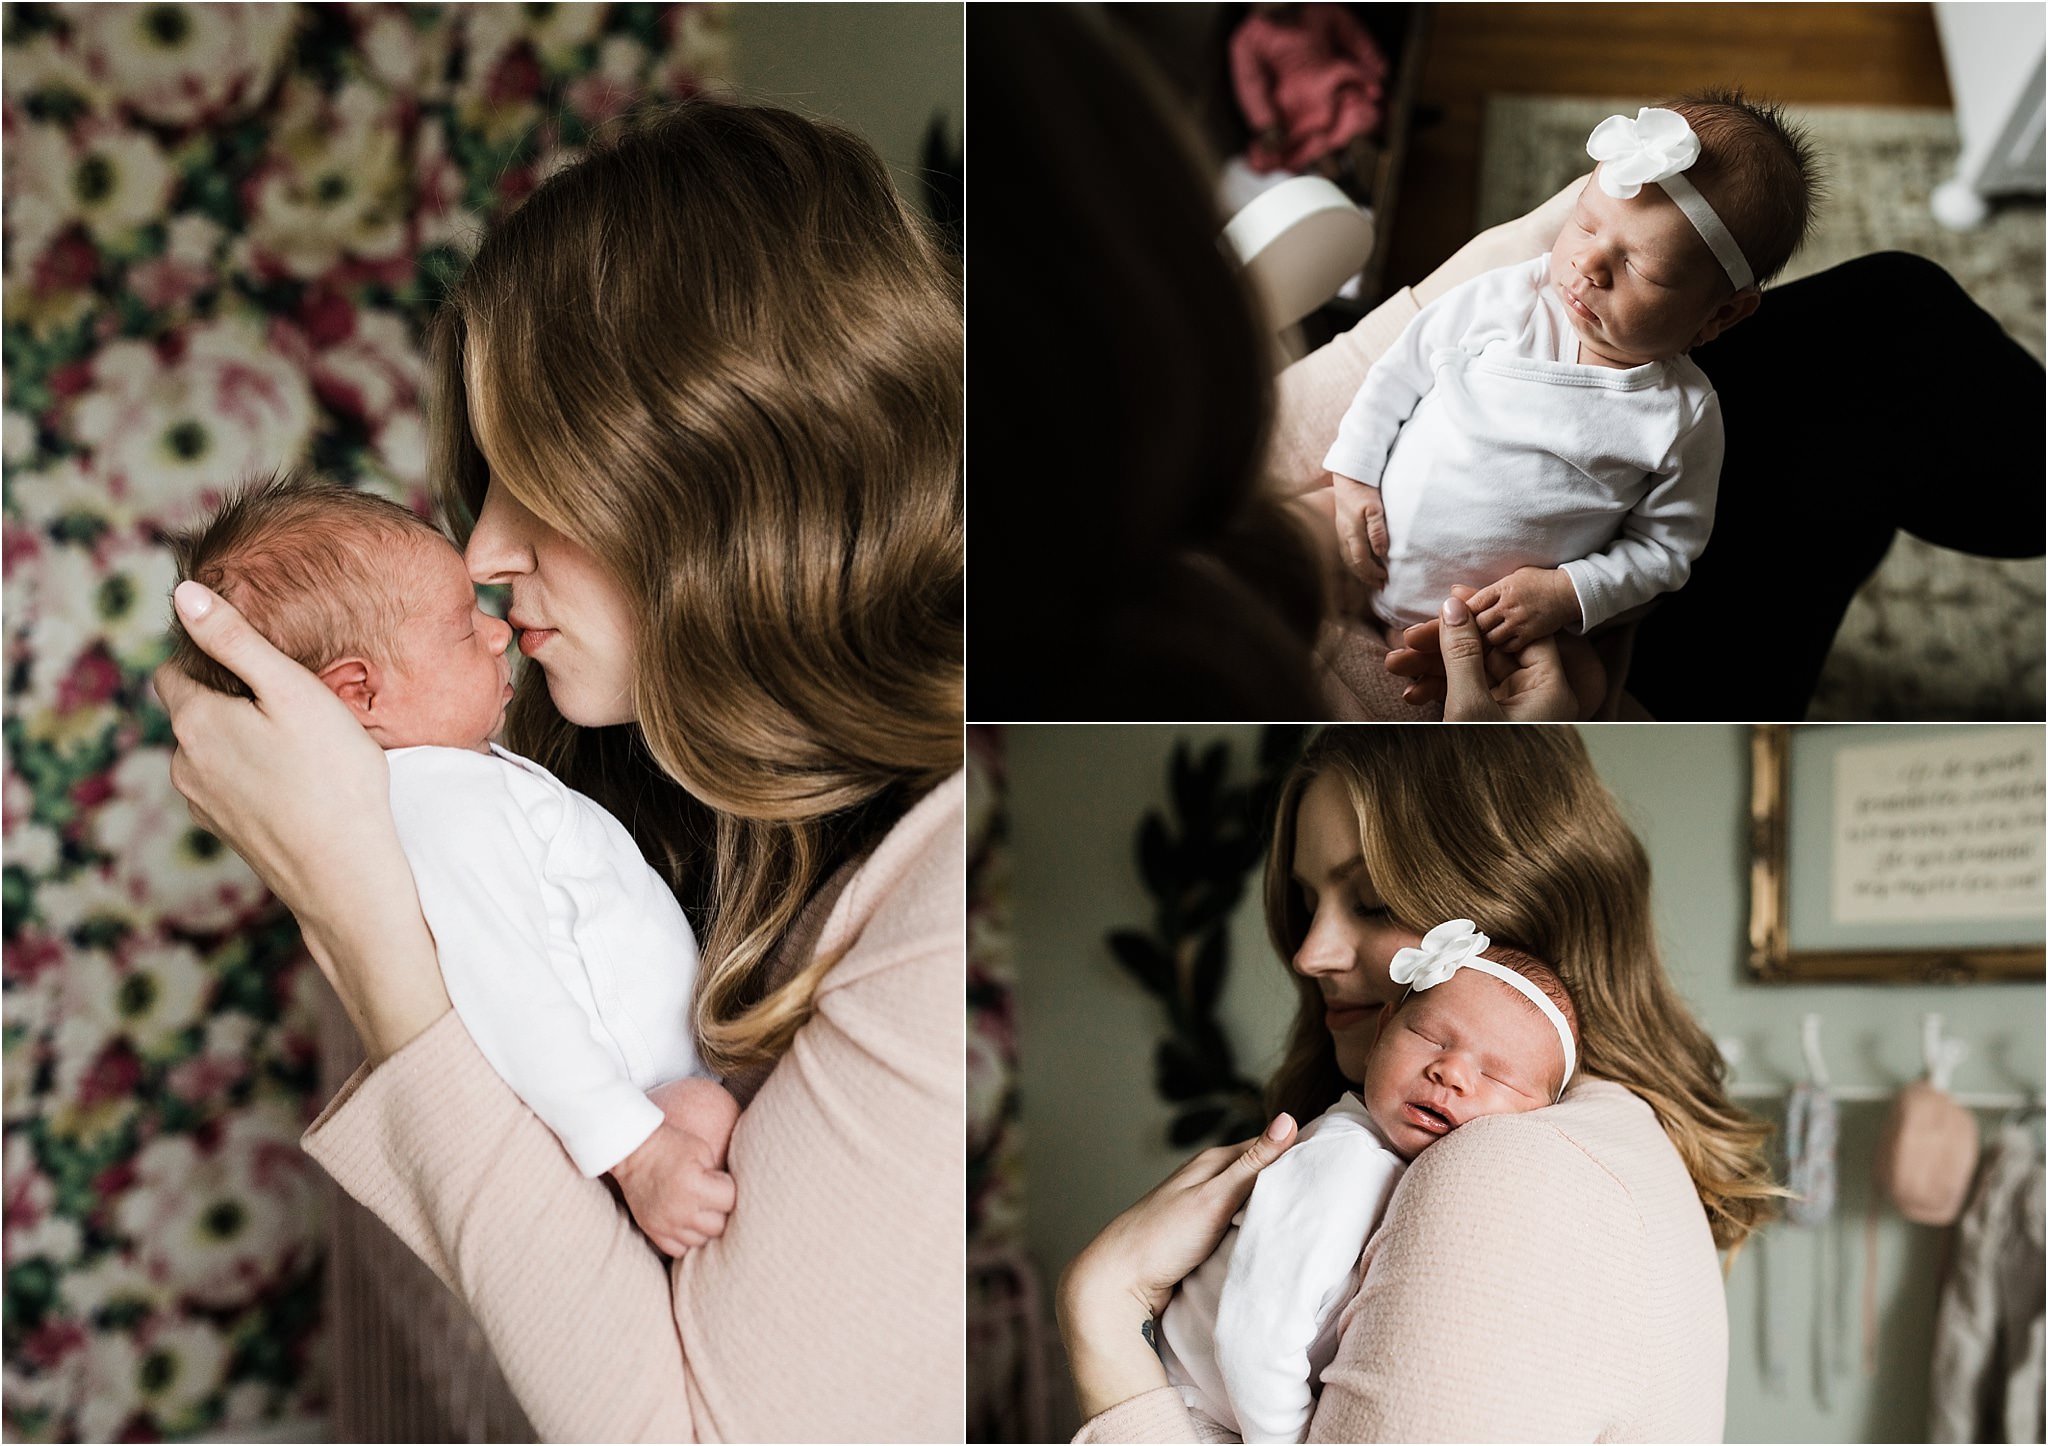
(1809, 1045)
(1941, 1056)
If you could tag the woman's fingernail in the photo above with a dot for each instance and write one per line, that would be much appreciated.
(1456, 613)
(1277, 1131)
(192, 599)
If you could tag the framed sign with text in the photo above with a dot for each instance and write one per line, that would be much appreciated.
(1897, 853)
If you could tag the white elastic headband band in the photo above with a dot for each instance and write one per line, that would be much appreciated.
(1457, 944)
(1653, 149)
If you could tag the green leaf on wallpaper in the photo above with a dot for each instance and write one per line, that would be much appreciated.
(214, 194)
(22, 23)
(31, 1289)
(248, 990)
(438, 271)
(16, 894)
(642, 22)
(137, 318)
(102, 931)
(79, 529)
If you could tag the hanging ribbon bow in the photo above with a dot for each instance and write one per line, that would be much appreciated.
(1446, 949)
(1655, 146)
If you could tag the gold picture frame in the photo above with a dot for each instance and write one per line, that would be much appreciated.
(1771, 955)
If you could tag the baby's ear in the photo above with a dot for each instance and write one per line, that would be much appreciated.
(352, 681)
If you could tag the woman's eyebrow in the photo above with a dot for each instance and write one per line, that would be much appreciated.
(1342, 872)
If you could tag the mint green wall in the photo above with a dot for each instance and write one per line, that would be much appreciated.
(1095, 1131)
(881, 69)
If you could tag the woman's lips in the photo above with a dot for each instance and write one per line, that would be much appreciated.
(533, 640)
(1345, 1016)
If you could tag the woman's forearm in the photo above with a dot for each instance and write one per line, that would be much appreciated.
(383, 970)
(1108, 1350)
(574, 1303)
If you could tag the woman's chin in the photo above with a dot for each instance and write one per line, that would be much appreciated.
(577, 706)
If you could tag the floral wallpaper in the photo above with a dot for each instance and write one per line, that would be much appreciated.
(1007, 1340)
(224, 226)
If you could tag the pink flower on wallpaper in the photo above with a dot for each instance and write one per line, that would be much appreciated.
(165, 285)
(171, 436)
(369, 367)
(175, 871)
(218, 1225)
(439, 217)
(184, 64)
(551, 36)
(619, 80)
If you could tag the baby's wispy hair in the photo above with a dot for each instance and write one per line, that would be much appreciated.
(316, 567)
(1757, 169)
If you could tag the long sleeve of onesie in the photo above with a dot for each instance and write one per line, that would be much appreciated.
(1292, 1271)
(1665, 531)
(1398, 381)
(477, 859)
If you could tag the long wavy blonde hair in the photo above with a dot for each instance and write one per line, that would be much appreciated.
(722, 355)
(1511, 826)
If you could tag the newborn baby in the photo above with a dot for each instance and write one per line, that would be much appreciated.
(1538, 432)
(566, 956)
(1247, 1335)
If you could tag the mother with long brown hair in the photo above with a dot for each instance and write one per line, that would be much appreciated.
(697, 405)
(1541, 1276)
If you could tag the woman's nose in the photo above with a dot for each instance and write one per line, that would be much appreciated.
(1324, 951)
(497, 552)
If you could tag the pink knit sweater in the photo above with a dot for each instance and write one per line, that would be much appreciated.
(830, 1309)
(1538, 1277)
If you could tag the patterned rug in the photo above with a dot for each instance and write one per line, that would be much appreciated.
(1935, 633)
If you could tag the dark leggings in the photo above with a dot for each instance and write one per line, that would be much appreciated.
(1871, 397)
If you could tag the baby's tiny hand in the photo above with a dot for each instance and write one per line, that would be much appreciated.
(1528, 604)
(1362, 524)
(679, 1196)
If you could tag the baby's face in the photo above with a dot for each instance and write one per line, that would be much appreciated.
(450, 684)
(1470, 1046)
(1635, 277)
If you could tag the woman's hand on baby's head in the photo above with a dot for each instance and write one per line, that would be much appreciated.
(287, 779)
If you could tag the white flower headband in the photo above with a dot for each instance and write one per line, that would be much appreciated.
(1656, 147)
(1457, 944)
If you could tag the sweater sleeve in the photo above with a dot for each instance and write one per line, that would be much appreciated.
(1250, 77)
(1663, 533)
(477, 858)
(1511, 1252)
(1303, 1231)
(845, 1247)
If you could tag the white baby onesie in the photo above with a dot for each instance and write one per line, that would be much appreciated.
(1493, 450)
(566, 956)
(1247, 1335)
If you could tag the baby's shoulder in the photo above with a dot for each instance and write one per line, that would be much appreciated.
(1505, 291)
(454, 789)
